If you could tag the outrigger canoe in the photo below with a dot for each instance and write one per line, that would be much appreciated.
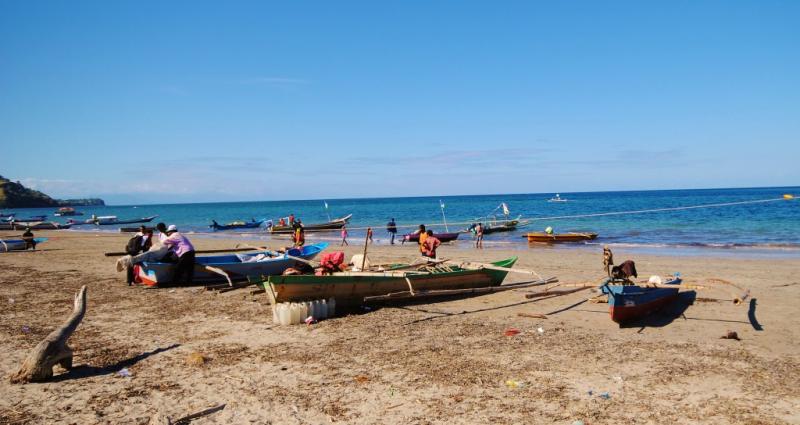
(501, 226)
(630, 302)
(444, 237)
(66, 211)
(314, 227)
(7, 245)
(559, 237)
(37, 225)
(252, 224)
(236, 266)
(26, 219)
(350, 288)
(110, 220)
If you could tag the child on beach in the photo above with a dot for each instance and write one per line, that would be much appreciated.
(344, 236)
(369, 235)
(479, 236)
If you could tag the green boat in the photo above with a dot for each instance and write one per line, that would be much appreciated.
(353, 288)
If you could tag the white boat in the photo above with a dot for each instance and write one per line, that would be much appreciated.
(557, 198)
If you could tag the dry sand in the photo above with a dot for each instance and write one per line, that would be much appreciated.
(446, 362)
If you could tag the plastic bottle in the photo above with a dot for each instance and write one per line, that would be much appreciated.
(312, 310)
(284, 315)
(331, 307)
(297, 316)
(323, 309)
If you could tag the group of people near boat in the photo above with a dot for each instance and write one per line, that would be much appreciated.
(171, 246)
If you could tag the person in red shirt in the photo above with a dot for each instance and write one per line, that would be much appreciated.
(430, 244)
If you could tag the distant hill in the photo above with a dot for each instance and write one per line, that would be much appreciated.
(15, 195)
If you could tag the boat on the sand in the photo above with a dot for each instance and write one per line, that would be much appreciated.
(7, 245)
(26, 219)
(334, 224)
(543, 237)
(236, 266)
(630, 302)
(353, 288)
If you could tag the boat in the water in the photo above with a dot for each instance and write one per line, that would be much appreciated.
(313, 227)
(66, 212)
(630, 302)
(30, 219)
(237, 266)
(493, 222)
(252, 224)
(110, 220)
(443, 237)
(543, 237)
(352, 288)
(7, 245)
(557, 198)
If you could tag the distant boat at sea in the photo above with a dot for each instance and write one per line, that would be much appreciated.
(557, 198)
(252, 224)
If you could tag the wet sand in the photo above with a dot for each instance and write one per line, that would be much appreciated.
(444, 362)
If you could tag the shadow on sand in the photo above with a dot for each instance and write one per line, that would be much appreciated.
(86, 371)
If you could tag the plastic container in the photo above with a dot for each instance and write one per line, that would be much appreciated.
(323, 309)
(284, 314)
(275, 319)
(331, 307)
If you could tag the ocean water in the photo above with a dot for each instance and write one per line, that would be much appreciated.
(772, 227)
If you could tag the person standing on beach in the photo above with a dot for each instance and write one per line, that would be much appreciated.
(369, 235)
(479, 236)
(291, 219)
(430, 244)
(422, 236)
(30, 241)
(183, 249)
(299, 234)
(344, 236)
(391, 227)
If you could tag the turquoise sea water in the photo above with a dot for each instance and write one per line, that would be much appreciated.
(770, 227)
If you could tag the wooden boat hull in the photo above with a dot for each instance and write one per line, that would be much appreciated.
(155, 273)
(631, 302)
(331, 225)
(17, 244)
(249, 225)
(444, 237)
(110, 222)
(39, 225)
(32, 218)
(508, 226)
(350, 288)
(560, 237)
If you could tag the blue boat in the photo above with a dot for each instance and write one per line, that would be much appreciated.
(252, 224)
(236, 266)
(7, 245)
(32, 218)
(630, 302)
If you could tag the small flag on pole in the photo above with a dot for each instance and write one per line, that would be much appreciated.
(441, 204)
(505, 209)
(326, 204)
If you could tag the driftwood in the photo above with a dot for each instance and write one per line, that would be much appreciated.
(38, 366)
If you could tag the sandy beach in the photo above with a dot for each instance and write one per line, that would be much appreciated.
(444, 362)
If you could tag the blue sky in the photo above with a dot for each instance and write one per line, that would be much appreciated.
(198, 101)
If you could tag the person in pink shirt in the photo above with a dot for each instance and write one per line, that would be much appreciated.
(344, 236)
(183, 249)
